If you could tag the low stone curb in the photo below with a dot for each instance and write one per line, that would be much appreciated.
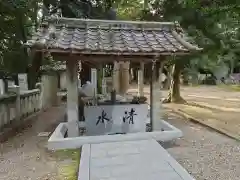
(15, 128)
(201, 122)
(208, 106)
(58, 142)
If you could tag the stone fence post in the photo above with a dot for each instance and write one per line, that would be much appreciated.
(40, 104)
(49, 90)
(16, 90)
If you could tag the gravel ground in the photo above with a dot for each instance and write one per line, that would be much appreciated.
(24, 156)
(204, 153)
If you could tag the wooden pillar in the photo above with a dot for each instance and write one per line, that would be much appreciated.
(115, 80)
(72, 98)
(155, 96)
(141, 80)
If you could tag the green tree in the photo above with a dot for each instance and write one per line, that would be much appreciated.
(211, 24)
(16, 19)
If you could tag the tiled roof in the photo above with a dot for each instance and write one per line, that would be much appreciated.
(109, 37)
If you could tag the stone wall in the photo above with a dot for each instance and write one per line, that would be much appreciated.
(16, 106)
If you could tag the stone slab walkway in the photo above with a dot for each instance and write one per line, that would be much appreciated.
(24, 156)
(144, 159)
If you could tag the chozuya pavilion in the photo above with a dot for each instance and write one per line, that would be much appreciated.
(100, 42)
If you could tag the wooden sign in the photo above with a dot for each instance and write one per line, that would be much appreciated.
(113, 119)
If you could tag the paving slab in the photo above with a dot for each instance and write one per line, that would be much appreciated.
(144, 159)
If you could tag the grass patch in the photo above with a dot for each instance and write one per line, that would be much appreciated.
(69, 163)
(193, 85)
(234, 87)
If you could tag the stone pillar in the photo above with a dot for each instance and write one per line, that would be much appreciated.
(104, 83)
(49, 90)
(155, 100)
(141, 80)
(72, 98)
(40, 87)
(115, 80)
(23, 81)
(44, 93)
(2, 87)
(124, 82)
(79, 74)
(94, 83)
(63, 80)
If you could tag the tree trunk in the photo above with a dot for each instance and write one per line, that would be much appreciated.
(174, 91)
(85, 74)
(231, 66)
(99, 78)
(147, 73)
(134, 70)
(160, 74)
(34, 70)
(167, 82)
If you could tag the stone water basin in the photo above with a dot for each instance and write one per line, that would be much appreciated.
(59, 140)
(166, 132)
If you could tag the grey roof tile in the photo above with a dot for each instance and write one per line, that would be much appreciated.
(109, 38)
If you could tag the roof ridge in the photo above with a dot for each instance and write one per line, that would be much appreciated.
(74, 22)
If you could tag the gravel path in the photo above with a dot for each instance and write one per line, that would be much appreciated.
(25, 157)
(204, 153)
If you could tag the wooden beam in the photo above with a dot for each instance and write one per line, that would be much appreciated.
(98, 58)
(116, 53)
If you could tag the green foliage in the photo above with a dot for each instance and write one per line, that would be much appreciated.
(214, 25)
(19, 18)
(16, 20)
